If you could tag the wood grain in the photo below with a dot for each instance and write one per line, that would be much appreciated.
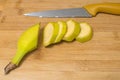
(98, 59)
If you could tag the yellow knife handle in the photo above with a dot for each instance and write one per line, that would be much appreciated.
(111, 8)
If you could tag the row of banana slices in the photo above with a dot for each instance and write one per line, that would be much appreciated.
(55, 32)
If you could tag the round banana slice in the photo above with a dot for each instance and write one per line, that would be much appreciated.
(85, 34)
(50, 33)
(73, 29)
(62, 31)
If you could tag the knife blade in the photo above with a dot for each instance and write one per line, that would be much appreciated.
(87, 11)
(74, 12)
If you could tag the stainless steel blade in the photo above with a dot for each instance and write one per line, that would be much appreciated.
(63, 13)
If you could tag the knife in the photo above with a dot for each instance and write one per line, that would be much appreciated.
(87, 11)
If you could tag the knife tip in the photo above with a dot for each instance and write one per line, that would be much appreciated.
(31, 15)
(26, 14)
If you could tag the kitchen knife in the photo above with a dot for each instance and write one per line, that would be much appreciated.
(87, 11)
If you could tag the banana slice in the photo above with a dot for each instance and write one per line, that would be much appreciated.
(73, 30)
(62, 31)
(50, 33)
(85, 34)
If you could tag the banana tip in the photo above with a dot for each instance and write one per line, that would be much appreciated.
(9, 67)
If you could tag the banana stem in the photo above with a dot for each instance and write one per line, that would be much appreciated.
(15, 61)
(9, 67)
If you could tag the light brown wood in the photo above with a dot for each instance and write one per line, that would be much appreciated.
(98, 59)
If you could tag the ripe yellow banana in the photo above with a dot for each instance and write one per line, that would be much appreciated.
(27, 42)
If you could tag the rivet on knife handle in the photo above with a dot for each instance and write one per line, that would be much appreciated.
(111, 8)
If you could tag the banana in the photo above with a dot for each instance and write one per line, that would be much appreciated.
(50, 33)
(27, 42)
(73, 30)
(62, 31)
(86, 33)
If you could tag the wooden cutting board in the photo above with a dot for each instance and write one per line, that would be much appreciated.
(98, 59)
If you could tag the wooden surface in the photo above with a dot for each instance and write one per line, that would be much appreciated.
(98, 59)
